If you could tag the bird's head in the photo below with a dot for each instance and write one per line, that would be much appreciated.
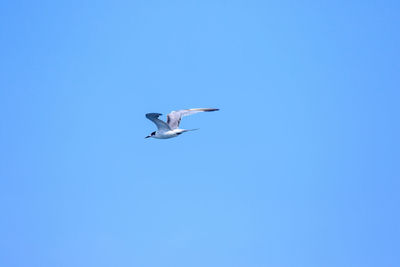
(151, 135)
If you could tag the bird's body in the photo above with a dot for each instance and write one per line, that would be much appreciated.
(168, 134)
(169, 129)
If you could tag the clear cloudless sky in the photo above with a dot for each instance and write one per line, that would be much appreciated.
(300, 167)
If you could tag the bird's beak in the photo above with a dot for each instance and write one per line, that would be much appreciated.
(148, 136)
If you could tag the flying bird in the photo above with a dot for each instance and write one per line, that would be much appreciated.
(170, 128)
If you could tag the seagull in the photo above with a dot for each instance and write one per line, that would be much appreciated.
(170, 128)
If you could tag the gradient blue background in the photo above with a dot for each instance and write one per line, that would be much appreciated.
(300, 167)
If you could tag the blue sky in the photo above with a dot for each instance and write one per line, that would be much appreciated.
(300, 167)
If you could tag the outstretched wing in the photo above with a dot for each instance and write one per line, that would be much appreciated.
(161, 125)
(174, 118)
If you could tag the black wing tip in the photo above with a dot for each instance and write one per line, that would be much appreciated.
(153, 114)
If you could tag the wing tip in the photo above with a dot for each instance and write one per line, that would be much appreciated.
(205, 109)
(153, 115)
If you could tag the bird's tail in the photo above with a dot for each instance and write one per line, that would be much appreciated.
(191, 130)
